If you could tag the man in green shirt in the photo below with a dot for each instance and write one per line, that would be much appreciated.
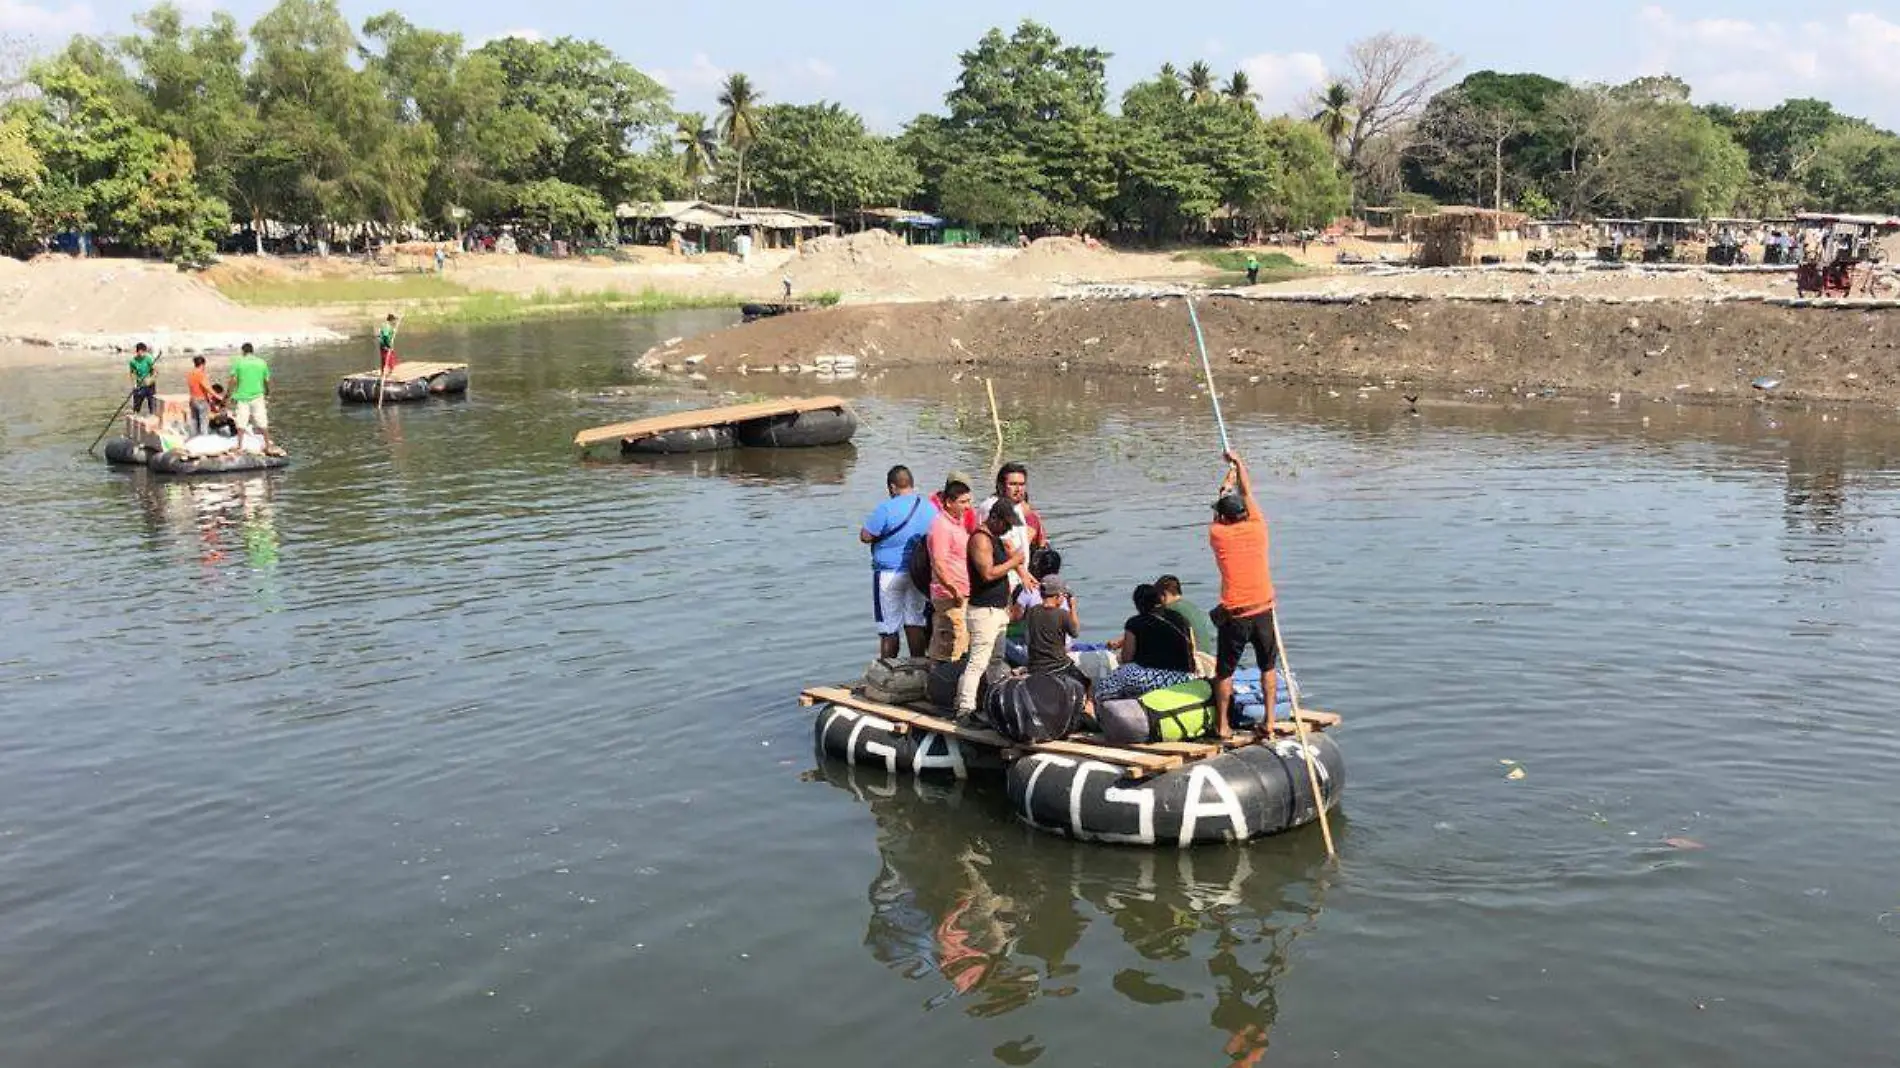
(143, 369)
(386, 344)
(249, 390)
(1253, 269)
(1197, 620)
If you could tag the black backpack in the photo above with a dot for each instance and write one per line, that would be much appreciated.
(917, 562)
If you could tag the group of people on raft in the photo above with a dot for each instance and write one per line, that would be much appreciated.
(955, 579)
(231, 408)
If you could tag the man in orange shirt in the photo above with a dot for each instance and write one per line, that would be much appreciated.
(198, 380)
(1238, 536)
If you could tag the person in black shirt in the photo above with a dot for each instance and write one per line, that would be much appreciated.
(1157, 650)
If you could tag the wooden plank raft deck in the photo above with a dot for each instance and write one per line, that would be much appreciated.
(408, 371)
(704, 417)
(1139, 761)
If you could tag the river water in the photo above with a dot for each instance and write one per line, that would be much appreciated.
(445, 747)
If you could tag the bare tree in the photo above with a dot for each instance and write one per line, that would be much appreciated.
(1391, 78)
(1464, 140)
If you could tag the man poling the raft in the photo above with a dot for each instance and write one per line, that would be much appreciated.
(1245, 615)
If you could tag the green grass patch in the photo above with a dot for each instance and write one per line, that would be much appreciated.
(431, 299)
(1229, 259)
(306, 292)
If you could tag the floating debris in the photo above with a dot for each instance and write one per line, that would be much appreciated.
(1683, 843)
(1766, 383)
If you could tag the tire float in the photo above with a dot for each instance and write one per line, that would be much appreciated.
(124, 451)
(179, 462)
(1245, 793)
(674, 442)
(402, 387)
(799, 430)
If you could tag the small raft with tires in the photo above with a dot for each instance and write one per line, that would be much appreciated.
(786, 423)
(407, 382)
(1178, 793)
(163, 444)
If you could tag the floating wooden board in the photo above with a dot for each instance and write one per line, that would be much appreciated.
(408, 371)
(1145, 763)
(703, 417)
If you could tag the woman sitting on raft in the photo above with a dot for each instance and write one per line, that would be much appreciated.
(1157, 650)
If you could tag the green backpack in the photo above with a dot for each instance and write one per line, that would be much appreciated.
(1179, 713)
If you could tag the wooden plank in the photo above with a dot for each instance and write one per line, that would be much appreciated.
(1144, 763)
(409, 371)
(703, 417)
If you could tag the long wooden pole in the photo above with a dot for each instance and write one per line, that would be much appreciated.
(114, 417)
(1207, 369)
(996, 420)
(1299, 728)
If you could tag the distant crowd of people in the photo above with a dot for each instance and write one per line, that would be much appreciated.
(954, 580)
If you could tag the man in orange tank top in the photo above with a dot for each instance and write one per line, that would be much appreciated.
(1238, 536)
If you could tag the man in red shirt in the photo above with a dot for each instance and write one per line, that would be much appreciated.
(1238, 537)
(969, 514)
(949, 545)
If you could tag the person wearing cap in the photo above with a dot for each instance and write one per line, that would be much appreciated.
(991, 561)
(1238, 536)
(144, 371)
(970, 519)
(1049, 627)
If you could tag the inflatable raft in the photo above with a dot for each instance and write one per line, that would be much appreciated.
(163, 443)
(1155, 794)
(787, 423)
(406, 383)
(184, 461)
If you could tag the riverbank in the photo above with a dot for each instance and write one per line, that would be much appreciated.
(1674, 350)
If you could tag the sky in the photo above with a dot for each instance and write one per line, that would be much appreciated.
(890, 61)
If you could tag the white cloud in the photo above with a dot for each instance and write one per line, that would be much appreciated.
(1851, 59)
(33, 20)
(699, 76)
(1284, 80)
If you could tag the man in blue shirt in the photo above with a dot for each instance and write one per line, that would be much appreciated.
(896, 602)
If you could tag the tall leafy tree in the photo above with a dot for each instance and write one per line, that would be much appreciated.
(21, 174)
(739, 103)
(108, 174)
(821, 156)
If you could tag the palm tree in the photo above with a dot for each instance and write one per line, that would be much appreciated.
(1239, 91)
(1335, 112)
(1200, 83)
(739, 122)
(698, 147)
(1170, 76)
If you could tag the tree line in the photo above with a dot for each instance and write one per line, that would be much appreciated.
(165, 139)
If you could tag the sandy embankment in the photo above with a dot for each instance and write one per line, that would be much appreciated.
(1674, 350)
(114, 304)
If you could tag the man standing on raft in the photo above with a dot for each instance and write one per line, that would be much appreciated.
(386, 343)
(1244, 617)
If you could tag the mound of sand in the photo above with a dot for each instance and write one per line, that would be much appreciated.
(105, 303)
(858, 263)
(1048, 248)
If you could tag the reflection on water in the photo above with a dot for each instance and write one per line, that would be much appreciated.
(224, 517)
(991, 915)
(829, 466)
